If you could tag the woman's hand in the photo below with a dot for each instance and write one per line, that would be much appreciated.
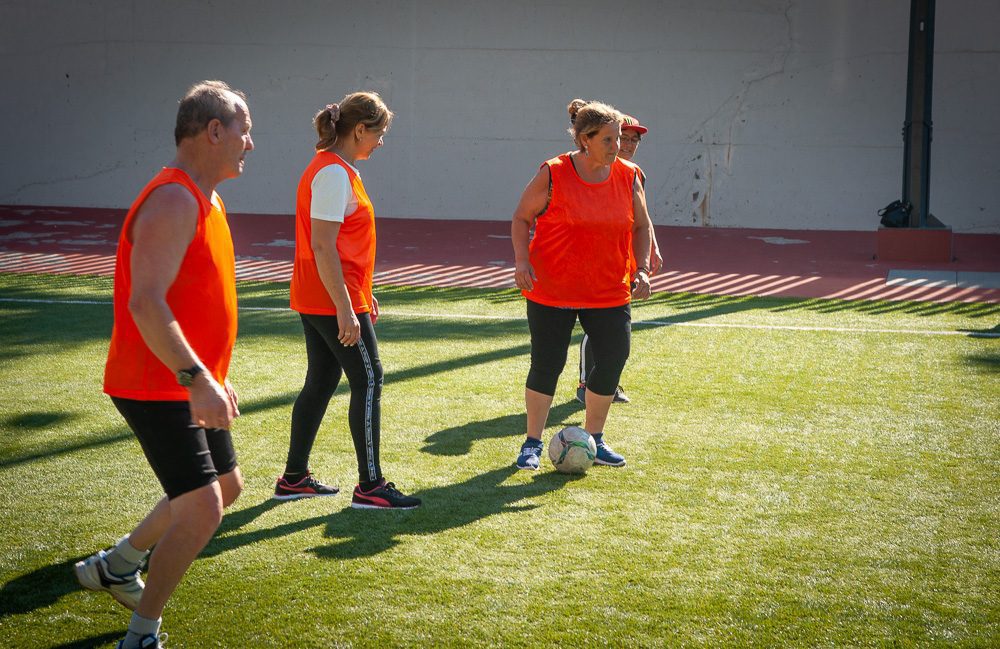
(524, 276)
(640, 285)
(350, 328)
(655, 258)
(374, 313)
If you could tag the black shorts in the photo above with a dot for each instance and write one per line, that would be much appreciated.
(183, 456)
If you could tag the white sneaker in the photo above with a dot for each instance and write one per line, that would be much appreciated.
(93, 574)
(147, 642)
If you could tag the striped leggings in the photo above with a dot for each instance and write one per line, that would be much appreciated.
(328, 360)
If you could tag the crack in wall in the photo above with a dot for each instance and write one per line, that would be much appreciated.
(699, 182)
(14, 195)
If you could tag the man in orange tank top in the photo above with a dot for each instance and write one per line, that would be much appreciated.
(166, 373)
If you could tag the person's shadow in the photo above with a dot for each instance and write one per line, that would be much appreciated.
(38, 588)
(458, 440)
(357, 533)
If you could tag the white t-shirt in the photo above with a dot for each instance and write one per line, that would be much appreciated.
(332, 195)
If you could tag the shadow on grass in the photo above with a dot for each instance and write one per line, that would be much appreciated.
(103, 640)
(20, 423)
(363, 533)
(707, 305)
(984, 363)
(458, 440)
(366, 533)
(410, 295)
(992, 332)
(53, 450)
(275, 294)
(274, 401)
(28, 329)
(38, 588)
(421, 371)
(402, 328)
(394, 376)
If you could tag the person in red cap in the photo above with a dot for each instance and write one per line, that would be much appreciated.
(632, 132)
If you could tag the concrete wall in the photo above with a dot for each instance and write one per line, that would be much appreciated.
(763, 113)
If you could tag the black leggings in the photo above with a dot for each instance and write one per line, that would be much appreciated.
(610, 331)
(328, 360)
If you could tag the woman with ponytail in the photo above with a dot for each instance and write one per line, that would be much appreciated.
(588, 211)
(332, 292)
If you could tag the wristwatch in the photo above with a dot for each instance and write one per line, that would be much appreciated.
(186, 377)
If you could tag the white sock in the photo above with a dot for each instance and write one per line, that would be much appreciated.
(138, 628)
(124, 559)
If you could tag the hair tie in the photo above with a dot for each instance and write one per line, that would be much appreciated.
(334, 110)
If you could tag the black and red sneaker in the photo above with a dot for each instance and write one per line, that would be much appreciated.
(383, 496)
(307, 487)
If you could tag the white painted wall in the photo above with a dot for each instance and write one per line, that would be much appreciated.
(763, 113)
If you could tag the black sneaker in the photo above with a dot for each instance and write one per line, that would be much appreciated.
(383, 496)
(307, 487)
(620, 396)
(581, 393)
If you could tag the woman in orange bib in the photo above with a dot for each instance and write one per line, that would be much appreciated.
(588, 211)
(332, 292)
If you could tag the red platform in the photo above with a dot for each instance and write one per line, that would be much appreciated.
(923, 245)
(730, 261)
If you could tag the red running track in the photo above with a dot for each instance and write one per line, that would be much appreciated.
(787, 263)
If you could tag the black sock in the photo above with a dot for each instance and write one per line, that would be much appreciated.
(294, 478)
(367, 485)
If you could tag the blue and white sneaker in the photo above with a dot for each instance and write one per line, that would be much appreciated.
(147, 642)
(93, 573)
(531, 450)
(605, 454)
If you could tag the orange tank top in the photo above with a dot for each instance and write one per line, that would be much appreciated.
(355, 245)
(582, 248)
(202, 299)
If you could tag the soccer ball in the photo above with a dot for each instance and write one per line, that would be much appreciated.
(572, 450)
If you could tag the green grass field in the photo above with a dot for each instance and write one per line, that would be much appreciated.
(800, 473)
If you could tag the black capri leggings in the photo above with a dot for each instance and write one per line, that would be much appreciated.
(610, 331)
(328, 360)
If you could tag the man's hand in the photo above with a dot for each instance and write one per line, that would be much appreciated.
(211, 405)
(232, 397)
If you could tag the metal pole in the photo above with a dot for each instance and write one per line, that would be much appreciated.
(917, 127)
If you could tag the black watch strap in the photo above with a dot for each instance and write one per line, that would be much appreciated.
(186, 377)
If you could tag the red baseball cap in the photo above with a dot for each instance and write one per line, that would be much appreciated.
(630, 123)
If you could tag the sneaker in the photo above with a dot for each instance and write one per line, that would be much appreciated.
(620, 396)
(581, 393)
(528, 457)
(93, 574)
(307, 487)
(605, 454)
(383, 496)
(147, 642)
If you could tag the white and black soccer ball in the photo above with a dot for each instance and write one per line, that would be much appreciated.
(572, 450)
